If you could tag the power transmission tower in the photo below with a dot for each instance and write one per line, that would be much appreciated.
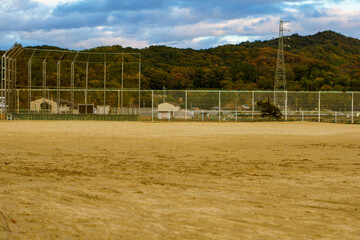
(280, 87)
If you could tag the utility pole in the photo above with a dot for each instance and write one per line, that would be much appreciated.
(280, 87)
(164, 93)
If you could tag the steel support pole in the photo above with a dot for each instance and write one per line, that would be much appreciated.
(7, 82)
(13, 89)
(286, 105)
(14, 54)
(9, 89)
(152, 105)
(72, 84)
(118, 98)
(186, 106)
(15, 84)
(302, 116)
(274, 98)
(10, 102)
(5, 85)
(29, 84)
(86, 86)
(29, 80)
(352, 107)
(219, 106)
(319, 108)
(44, 80)
(44, 77)
(236, 108)
(11, 99)
(10, 86)
(139, 82)
(104, 83)
(252, 105)
(18, 101)
(2, 78)
(2, 108)
(58, 86)
(122, 82)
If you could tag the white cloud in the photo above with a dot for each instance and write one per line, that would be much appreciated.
(53, 3)
(78, 24)
(107, 41)
(346, 5)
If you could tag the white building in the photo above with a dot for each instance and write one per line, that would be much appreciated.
(102, 110)
(167, 110)
(2, 104)
(43, 105)
(170, 111)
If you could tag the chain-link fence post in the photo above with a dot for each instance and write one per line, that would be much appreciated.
(105, 84)
(152, 105)
(352, 107)
(319, 107)
(17, 101)
(2, 79)
(335, 117)
(219, 105)
(29, 85)
(286, 105)
(252, 105)
(118, 102)
(186, 106)
(139, 84)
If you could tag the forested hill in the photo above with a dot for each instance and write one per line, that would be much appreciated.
(324, 61)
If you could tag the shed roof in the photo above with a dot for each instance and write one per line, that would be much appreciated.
(166, 107)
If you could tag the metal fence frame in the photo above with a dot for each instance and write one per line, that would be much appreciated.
(9, 89)
(212, 105)
(187, 105)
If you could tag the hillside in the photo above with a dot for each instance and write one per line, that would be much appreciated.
(324, 61)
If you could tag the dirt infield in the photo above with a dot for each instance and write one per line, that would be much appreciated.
(134, 180)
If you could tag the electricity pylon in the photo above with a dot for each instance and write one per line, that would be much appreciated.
(280, 87)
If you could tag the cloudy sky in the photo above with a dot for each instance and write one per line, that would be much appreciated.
(80, 24)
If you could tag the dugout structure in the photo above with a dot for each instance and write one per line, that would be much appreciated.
(67, 78)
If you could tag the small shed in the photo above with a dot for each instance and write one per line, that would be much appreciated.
(167, 110)
(2, 104)
(100, 109)
(43, 105)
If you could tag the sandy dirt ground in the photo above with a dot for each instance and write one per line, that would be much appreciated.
(136, 180)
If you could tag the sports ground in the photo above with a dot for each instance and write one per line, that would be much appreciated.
(139, 180)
